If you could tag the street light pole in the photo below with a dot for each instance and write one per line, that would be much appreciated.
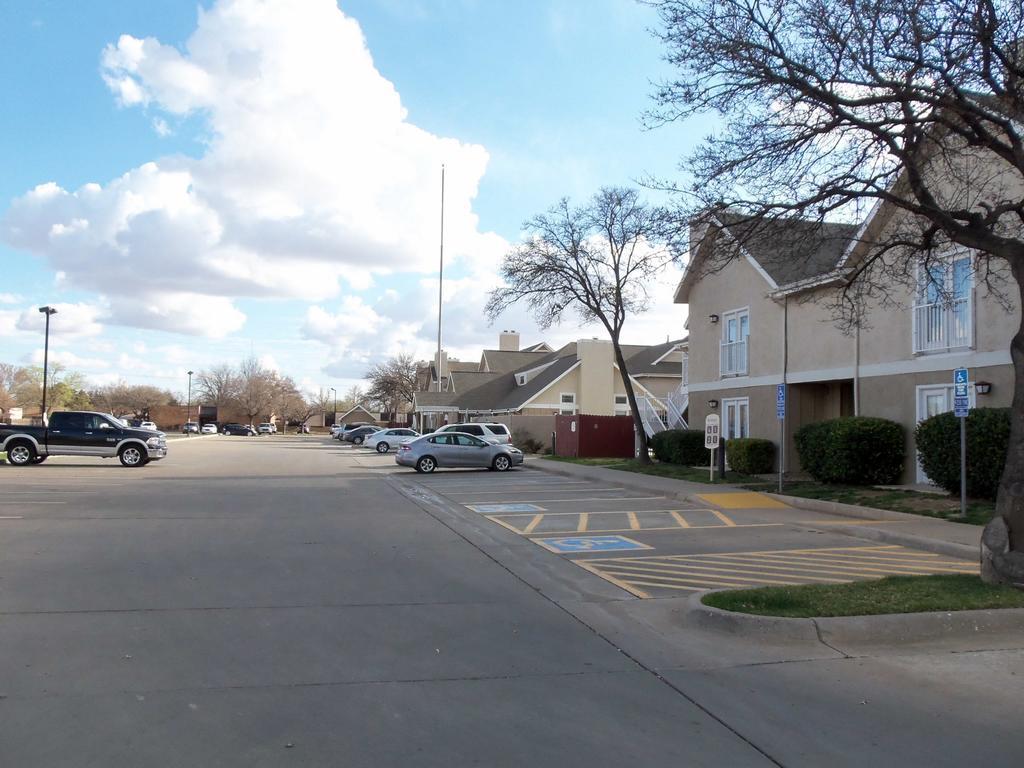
(332, 389)
(46, 355)
(188, 406)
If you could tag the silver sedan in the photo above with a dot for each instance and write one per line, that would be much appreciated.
(455, 449)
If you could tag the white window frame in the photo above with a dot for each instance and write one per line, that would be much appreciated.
(727, 425)
(723, 353)
(562, 403)
(923, 312)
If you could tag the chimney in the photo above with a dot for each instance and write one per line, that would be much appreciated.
(441, 365)
(508, 341)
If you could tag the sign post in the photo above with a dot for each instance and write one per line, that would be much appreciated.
(961, 404)
(712, 437)
(780, 412)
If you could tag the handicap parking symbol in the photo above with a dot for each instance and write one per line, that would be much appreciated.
(564, 545)
(497, 509)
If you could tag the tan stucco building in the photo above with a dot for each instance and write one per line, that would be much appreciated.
(764, 318)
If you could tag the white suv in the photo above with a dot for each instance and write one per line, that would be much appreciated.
(496, 434)
(266, 428)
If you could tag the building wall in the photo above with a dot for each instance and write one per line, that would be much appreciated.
(596, 377)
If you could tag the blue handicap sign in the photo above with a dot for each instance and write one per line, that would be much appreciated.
(590, 544)
(960, 376)
(960, 406)
(497, 509)
(780, 401)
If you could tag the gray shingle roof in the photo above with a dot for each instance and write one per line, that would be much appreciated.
(499, 361)
(791, 250)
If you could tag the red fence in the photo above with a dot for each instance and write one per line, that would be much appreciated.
(595, 436)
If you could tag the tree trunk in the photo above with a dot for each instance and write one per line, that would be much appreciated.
(1010, 501)
(1002, 542)
(643, 457)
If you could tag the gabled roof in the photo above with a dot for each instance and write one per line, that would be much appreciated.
(433, 399)
(355, 410)
(499, 361)
(785, 251)
(647, 361)
(539, 347)
(464, 381)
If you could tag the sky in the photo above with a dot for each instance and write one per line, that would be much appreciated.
(190, 184)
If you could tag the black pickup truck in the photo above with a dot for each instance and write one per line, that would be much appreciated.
(82, 433)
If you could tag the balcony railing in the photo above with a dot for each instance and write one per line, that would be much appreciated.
(733, 361)
(943, 325)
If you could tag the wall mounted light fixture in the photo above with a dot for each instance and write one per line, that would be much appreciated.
(713, 318)
(712, 404)
(982, 387)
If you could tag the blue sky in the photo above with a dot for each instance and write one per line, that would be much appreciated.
(259, 186)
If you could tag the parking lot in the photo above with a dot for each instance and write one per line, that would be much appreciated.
(654, 546)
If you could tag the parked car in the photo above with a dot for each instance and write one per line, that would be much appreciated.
(456, 449)
(245, 430)
(492, 433)
(190, 426)
(266, 428)
(386, 439)
(208, 429)
(82, 433)
(359, 434)
(340, 432)
(148, 425)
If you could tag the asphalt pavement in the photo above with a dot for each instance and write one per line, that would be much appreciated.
(285, 600)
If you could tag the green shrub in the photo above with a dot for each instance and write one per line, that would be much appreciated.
(751, 455)
(988, 434)
(680, 446)
(856, 450)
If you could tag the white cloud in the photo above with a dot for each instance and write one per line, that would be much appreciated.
(312, 175)
(71, 321)
(70, 360)
(10, 298)
(163, 130)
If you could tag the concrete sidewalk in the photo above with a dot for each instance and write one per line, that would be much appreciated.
(926, 533)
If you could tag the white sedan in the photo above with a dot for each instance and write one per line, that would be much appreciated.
(387, 439)
(208, 429)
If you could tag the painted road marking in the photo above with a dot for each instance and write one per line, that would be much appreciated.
(11, 517)
(550, 523)
(33, 502)
(537, 490)
(590, 544)
(499, 508)
(643, 576)
(742, 500)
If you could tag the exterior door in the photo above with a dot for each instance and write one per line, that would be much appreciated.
(735, 420)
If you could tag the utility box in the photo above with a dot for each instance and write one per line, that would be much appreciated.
(584, 436)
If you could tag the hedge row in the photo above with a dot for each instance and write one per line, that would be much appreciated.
(680, 446)
(988, 435)
(857, 450)
(751, 455)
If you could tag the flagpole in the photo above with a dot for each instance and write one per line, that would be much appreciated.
(440, 285)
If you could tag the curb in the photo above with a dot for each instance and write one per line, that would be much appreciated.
(585, 473)
(884, 628)
(887, 536)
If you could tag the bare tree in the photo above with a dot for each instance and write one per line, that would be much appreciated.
(257, 387)
(596, 260)
(392, 383)
(833, 106)
(7, 378)
(218, 386)
(138, 399)
(354, 396)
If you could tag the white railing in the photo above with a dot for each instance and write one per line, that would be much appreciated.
(943, 325)
(733, 361)
(686, 371)
(651, 416)
(677, 403)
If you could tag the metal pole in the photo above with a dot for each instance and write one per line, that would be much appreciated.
(711, 467)
(46, 360)
(440, 285)
(785, 371)
(963, 466)
(188, 407)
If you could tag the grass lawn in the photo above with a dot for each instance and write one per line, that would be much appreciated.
(675, 471)
(979, 511)
(894, 594)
